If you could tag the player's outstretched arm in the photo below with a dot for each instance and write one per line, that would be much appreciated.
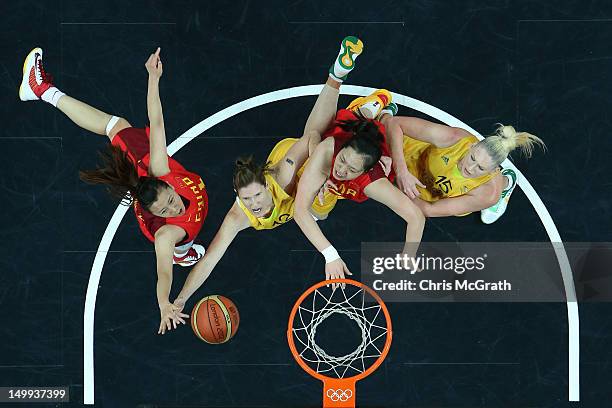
(234, 222)
(426, 131)
(386, 193)
(478, 199)
(165, 240)
(158, 165)
(310, 183)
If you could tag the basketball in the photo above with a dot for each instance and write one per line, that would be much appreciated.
(215, 319)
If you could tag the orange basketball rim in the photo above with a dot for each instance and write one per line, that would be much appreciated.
(339, 374)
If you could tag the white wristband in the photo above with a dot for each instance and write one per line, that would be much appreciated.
(330, 254)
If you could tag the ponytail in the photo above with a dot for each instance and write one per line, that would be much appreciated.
(505, 140)
(247, 172)
(121, 178)
(367, 140)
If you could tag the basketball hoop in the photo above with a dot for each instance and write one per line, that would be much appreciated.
(339, 373)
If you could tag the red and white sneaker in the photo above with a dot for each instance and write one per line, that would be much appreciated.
(195, 253)
(35, 80)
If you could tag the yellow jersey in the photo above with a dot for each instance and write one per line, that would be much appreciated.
(284, 204)
(436, 167)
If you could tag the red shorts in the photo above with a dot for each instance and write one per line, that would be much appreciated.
(133, 141)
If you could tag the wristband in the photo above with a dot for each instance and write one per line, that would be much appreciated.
(330, 254)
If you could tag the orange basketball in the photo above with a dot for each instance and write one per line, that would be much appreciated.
(215, 319)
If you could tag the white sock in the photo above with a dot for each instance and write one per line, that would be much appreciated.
(182, 250)
(339, 70)
(52, 95)
(180, 255)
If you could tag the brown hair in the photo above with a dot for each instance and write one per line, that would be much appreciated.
(121, 178)
(247, 172)
(425, 176)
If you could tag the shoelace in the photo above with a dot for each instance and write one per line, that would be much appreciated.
(45, 77)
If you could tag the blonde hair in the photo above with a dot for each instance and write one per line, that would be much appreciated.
(505, 139)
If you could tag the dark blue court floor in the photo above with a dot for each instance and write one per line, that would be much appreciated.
(544, 67)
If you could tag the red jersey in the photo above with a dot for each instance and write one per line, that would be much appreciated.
(189, 187)
(353, 189)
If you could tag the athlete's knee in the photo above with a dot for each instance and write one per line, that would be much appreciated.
(116, 125)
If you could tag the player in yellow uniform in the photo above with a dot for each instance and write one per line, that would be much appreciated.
(447, 171)
(267, 179)
(266, 193)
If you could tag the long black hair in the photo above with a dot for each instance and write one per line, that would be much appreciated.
(367, 140)
(121, 179)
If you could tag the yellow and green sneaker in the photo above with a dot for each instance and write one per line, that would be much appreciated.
(350, 48)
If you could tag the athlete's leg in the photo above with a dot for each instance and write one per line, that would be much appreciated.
(36, 84)
(323, 112)
(90, 118)
(326, 105)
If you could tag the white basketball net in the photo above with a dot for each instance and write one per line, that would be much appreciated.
(369, 318)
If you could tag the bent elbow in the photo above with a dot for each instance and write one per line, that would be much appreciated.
(299, 213)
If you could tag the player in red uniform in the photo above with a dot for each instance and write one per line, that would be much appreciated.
(170, 202)
(354, 160)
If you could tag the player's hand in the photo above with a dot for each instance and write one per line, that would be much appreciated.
(408, 183)
(336, 270)
(324, 189)
(170, 317)
(179, 305)
(154, 65)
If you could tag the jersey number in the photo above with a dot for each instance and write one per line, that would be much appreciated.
(444, 183)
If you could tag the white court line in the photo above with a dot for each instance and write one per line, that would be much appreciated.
(312, 90)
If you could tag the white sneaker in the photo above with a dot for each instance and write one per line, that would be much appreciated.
(34, 81)
(492, 214)
(195, 253)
